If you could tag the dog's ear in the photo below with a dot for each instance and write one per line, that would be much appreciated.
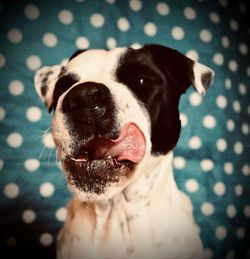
(181, 70)
(45, 81)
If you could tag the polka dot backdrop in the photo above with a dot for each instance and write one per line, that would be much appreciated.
(211, 161)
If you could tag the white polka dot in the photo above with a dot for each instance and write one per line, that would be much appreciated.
(184, 119)
(65, 17)
(123, 24)
(31, 164)
(224, 3)
(48, 140)
(195, 142)
(248, 71)
(221, 101)
(245, 129)
(228, 168)
(2, 60)
(61, 214)
(241, 232)
(228, 83)
(110, 1)
(31, 12)
(11, 190)
(238, 148)
(15, 140)
(136, 46)
(150, 29)
(219, 188)
(16, 87)
(162, 8)
(15, 35)
(243, 48)
(47, 189)
(218, 59)
(234, 25)
(208, 253)
(192, 185)
(46, 239)
(236, 106)
(221, 233)
(33, 62)
(11, 241)
(207, 208)
(190, 13)
(214, 17)
(205, 35)
(238, 189)
(179, 162)
(233, 65)
(111, 43)
(209, 121)
(225, 41)
(82, 42)
(207, 165)
(221, 144)
(246, 169)
(50, 39)
(177, 33)
(135, 5)
(231, 211)
(242, 89)
(230, 125)
(195, 99)
(1, 164)
(33, 114)
(2, 113)
(230, 254)
(29, 216)
(247, 211)
(97, 20)
(193, 54)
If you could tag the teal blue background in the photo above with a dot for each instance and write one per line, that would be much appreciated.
(21, 238)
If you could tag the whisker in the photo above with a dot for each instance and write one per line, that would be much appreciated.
(50, 154)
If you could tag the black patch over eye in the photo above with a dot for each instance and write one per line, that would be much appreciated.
(62, 85)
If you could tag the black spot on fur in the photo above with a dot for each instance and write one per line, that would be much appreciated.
(78, 52)
(158, 75)
(62, 85)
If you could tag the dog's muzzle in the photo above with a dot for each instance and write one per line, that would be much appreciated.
(102, 153)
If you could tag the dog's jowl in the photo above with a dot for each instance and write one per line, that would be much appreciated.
(115, 124)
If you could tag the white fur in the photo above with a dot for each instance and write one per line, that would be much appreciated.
(156, 217)
(144, 217)
(200, 69)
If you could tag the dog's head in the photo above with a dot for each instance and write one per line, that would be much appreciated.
(113, 110)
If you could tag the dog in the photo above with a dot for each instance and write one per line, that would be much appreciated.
(115, 124)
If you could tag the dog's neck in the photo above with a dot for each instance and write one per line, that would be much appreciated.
(154, 179)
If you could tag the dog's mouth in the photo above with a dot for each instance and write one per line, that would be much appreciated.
(102, 161)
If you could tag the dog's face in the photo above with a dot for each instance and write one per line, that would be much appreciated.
(114, 110)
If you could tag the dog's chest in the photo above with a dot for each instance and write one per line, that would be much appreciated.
(133, 230)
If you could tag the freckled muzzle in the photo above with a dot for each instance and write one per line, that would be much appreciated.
(101, 155)
(97, 175)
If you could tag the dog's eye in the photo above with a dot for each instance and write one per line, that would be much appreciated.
(141, 80)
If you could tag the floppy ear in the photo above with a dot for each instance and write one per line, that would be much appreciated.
(181, 70)
(45, 81)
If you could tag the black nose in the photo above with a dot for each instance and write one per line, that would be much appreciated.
(88, 97)
(89, 109)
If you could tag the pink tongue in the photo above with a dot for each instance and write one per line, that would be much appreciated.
(130, 145)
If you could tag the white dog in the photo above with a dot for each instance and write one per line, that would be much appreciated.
(116, 121)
